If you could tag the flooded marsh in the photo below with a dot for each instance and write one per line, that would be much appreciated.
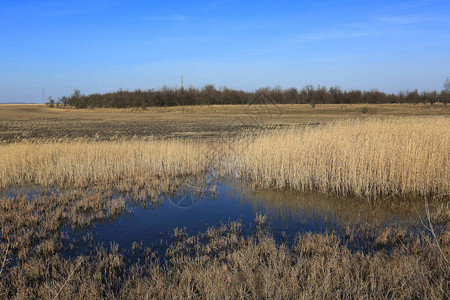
(350, 209)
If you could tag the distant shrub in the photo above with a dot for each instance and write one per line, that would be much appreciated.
(365, 110)
(51, 102)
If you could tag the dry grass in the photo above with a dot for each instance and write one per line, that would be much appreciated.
(396, 156)
(82, 163)
(371, 157)
(80, 182)
(383, 109)
(221, 264)
(32, 228)
(31, 222)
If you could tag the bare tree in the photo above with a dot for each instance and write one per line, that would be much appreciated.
(446, 94)
(51, 102)
(447, 85)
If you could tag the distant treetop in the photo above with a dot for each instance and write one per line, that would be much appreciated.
(209, 95)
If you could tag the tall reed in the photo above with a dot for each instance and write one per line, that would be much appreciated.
(369, 157)
(82, 162)
(362, 157)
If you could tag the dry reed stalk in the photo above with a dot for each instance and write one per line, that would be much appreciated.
(369, 157)
(361, 157)
(81, 163)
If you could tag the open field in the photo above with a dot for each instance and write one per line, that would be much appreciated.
(28, 121)
(65, 171)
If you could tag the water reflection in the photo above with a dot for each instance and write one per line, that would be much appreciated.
(290, 206)
(136, 217)
(288, 213)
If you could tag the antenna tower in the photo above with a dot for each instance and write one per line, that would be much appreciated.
(182, 82)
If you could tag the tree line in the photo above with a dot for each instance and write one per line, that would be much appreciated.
(209, 95)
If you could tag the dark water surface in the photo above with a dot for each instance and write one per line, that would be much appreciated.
(286, 214)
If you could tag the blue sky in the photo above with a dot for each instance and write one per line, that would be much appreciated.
(104, 45)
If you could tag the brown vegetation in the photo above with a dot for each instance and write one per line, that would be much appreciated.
(369, 158)
(109, 164)
(362, 157)
(222, 264)
(31, 224)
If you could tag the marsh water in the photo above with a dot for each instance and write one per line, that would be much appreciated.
(284, 214)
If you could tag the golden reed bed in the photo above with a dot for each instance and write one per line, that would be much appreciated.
(393, 156)
(82, 162)
(361, 157)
